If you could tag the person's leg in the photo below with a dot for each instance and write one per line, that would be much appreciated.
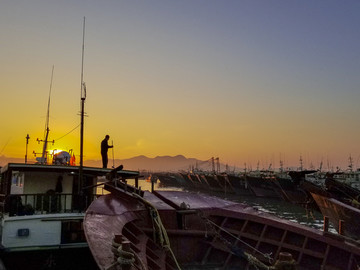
(104, 161)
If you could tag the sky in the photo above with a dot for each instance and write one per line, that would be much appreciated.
(248, 81)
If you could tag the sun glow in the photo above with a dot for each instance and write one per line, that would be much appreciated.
(55, 151)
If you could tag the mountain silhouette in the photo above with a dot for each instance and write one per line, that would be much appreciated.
(156, 164)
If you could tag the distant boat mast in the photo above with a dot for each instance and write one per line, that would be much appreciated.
(47, 129)
(83, 97)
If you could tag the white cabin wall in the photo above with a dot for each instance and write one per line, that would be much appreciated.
(41, 233)
(67, 183)
(39, 182)
(42, 182)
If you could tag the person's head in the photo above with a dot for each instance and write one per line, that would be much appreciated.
(107, 137)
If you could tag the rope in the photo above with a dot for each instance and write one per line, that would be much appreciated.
(256, 263)
(279, 264)
(163, 237)
(266, 256)
(124, 257)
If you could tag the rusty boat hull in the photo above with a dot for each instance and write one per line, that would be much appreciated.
(204, 232)
(344, 217)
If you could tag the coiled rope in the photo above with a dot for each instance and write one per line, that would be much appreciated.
(159, 227)
(124, 257)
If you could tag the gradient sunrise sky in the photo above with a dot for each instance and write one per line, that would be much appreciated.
(247, 81)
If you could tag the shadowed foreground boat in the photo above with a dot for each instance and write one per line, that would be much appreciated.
(174, 229)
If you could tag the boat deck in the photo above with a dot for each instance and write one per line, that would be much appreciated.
(207, 233)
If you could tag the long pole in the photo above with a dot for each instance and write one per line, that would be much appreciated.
(83, 97)
(44, 152)
(112, 143)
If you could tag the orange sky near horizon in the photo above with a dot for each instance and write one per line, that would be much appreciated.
(246, 81)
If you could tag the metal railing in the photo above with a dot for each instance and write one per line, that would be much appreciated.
(29, 204)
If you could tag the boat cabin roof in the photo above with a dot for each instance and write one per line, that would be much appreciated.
(66, 169)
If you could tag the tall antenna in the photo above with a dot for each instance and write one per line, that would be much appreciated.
(83, 88)
(27, 143)
(83, 97)
(47, 129)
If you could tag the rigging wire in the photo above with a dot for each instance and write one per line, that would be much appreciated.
(68, 132)
(2, 150)
(265, 255)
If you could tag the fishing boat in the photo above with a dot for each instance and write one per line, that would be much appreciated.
(343, 216)
(239, 183)
(288, 185)
(350, 177)
(261, 183)
(339, 202)
(134, 229)
(42, 211)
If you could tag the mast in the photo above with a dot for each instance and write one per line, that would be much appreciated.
(47, 129)
(83, 97)
(27, 143)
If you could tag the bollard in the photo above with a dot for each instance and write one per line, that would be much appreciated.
(136, 182)
(326, 224)
(285, 262)
(118, 238)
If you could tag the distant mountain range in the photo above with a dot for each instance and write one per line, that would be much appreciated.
(5, 160)
(159, 163)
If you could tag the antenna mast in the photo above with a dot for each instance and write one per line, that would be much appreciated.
(83, 97)
(27, 143)
(47, 129)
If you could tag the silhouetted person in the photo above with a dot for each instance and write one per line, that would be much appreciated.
(104, 150)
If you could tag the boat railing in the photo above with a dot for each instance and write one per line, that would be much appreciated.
(30, 204)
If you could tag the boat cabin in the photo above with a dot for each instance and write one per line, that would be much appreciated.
(44, 205)
(27, 189)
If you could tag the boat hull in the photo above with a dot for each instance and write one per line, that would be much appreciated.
(343, 217)
(262, 187)
(207, 232)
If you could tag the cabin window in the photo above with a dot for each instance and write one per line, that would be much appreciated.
(18, 179)
(17, 183)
